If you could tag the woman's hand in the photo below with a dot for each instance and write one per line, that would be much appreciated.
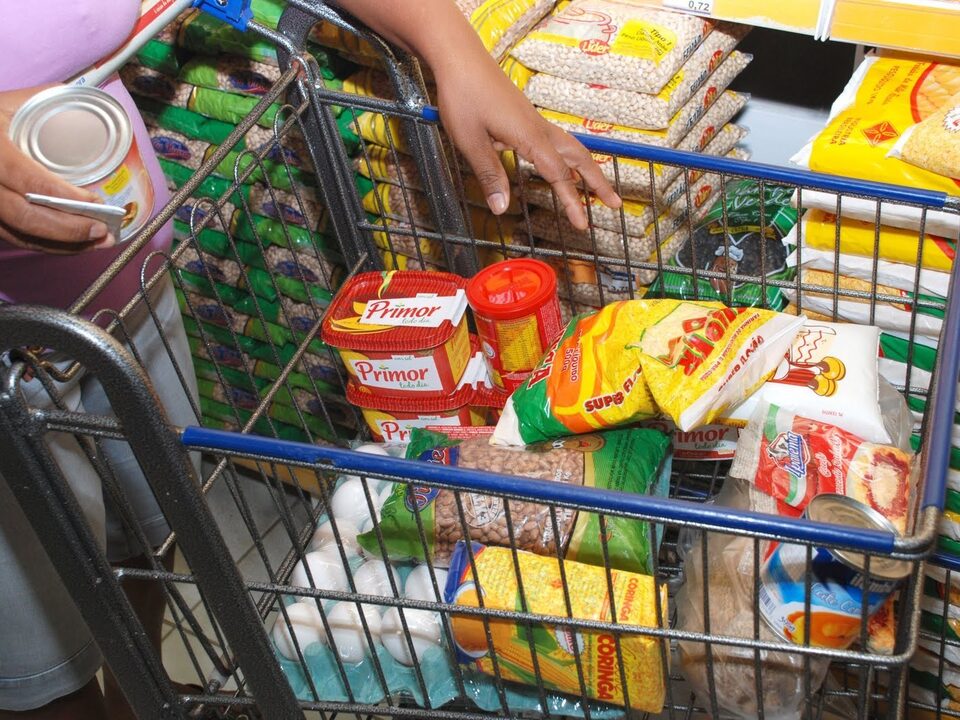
(482, 111)
(31, 226)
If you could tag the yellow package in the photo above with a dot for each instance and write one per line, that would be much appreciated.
(381, 165)
(500, 23)
(589, 380)
(369, 82)
(857, 237)
(329, 35)
(886, 96)
(934, 144)
(635, 601)
(701, 358)
(384, 131)
(518, 73)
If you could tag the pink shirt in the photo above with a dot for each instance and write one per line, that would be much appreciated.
(51, 41)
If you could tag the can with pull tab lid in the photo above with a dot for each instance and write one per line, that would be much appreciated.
(843, 584)
(84, 136)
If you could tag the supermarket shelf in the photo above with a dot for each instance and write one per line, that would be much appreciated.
(929, 26)
(797, 16)
(778, 129)
(924, 26)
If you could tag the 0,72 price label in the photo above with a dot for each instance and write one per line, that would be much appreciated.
(700, 7)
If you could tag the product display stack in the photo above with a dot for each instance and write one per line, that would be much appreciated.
(398, 202)
(257, 276)
(638, 74)
(893, 123)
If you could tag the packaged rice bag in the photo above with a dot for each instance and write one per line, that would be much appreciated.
(625, 460)
(892, 274)
(613, 43)
(922, 314)
(500, 23)
(859, 237)
(739, 236)
(701, 358)
(231, 74)
(604, 105)
(792, 458)
(589, 380)
(934, 144)
(830, 374)
(886, 96)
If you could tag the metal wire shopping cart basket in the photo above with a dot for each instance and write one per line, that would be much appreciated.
(223, 610)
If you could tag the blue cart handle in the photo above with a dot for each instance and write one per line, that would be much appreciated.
(612, 501)
(233, 12)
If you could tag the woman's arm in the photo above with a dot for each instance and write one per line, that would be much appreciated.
(482, 111)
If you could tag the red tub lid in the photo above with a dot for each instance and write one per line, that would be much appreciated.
(512, 288)
(396, 311)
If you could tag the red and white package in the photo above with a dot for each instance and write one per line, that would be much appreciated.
(707, 442)
(793, 458)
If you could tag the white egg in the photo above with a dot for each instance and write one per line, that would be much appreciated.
(349, 502)
(326, 569)
(369, 449)
(372, 578)
(307, 627)
(419, 586)
(372, 449)
(385, 492)
(323, 536)
(424, 627)
(347, 632)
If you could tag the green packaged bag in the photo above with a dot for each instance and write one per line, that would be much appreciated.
(159, 56)
(241, 403)
(735, 246)
(232, 108)
(185, 122)
(203, 33)
(319, 374)
(633, 461)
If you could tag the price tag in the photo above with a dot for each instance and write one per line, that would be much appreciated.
(699, 7)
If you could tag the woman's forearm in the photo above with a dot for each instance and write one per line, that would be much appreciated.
(433, 30)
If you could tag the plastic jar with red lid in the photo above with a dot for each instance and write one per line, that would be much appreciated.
(517, 312)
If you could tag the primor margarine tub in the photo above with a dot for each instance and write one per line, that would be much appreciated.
(401, 333)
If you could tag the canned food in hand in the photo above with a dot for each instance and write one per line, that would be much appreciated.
(85, 136)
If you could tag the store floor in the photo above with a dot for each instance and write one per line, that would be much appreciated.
(190, 650)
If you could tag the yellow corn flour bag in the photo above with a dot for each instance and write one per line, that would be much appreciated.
(701, 358)
(642, 684)
(858, 237)
(886, 96)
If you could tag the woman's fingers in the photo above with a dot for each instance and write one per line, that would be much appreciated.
(23, 218)
(29, 225)
(478, 150)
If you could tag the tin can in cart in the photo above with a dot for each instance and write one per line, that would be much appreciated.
(838, 579)
(517, 312)
(85, 136)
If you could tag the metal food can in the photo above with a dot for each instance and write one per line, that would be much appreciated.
(85, 136)
(838, 579)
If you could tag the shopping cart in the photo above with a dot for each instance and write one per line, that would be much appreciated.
(223, 611)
